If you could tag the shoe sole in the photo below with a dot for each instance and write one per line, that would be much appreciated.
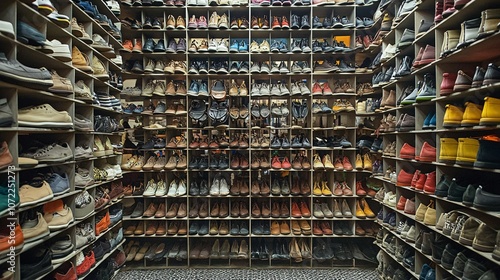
(56, 160)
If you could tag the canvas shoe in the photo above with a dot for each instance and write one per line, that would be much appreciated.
(57, 215)
(35, 229)
(54, 153)
(150, 188)
(44, 116)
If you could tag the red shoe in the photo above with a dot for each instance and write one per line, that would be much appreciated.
(414, 180)
(419, 185)
(327, 89)
(276, 163)
(316, 89)
(427, 154)
(276, 23)
(404, 179)
(284, 22)
(296, 210)
(448, 83)
(347, 164)
(285, 164)
(401, 203)
(407, 151)
(359, 189)
(430, 183)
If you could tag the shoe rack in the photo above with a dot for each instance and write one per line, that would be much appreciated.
(20, 138)
(311, 126)
(465, 59)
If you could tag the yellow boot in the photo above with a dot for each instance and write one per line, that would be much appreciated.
(359, 211)
(490, 114)
(317, 189)
(448, 152)
(366, 209)
(325, 190)
(453, 116)
(467, 151)
(359, 162)
(472, 114)
(367, 162)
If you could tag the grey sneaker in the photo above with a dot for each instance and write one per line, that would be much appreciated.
(59, 184)
(84, 234)
(82, 91)
(83, 124)
(84, 205)
(83, 178)
(13, 70)
(83, 152)
(54, 153)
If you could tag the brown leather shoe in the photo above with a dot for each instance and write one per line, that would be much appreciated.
(275, 228)
(160, 213)
(266, 212)
(316, 229)
(224, 210)
(235, 209)
(152, 227)
(284, 210)
(172, 211)
(296, 210)
(295, 190)
(244, 190)
(215, 210)
(235, 188)
(150, 211)
(203, 212)
(173, 228)
(162, 229)
(244, 210)
(214, 228)
(265, 189)
(304, 209)
(255, 188)
(255, 210)
(130, 229)
(182, 228)
(359, 230)
(326, 228)
(305, 227)
(296, 227)
(182, 211)
(275, 209)
(224, 228)
(284, 228)
(305, 188)
(139, 229)
(193, 210)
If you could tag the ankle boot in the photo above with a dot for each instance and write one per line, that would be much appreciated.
(469, 31)
(450, 42)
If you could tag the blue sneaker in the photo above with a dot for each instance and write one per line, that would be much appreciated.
(138, 109)
(203, 88)
(243, 47)
(234, 47)
(59, 184)
(193, 88)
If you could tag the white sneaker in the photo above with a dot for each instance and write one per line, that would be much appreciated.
(181, 188)
(223, 187)
(192, 2)
(202, 3)
(150, 188)
(172, 189)
(161, 188)
(114, 6)
(215, 188)
(118, 170)
(44, 6)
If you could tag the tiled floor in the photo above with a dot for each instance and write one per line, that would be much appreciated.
(250, 274)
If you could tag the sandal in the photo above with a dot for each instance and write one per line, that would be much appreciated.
(243, 111)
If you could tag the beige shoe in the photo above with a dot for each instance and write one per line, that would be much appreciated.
(171, 163)
(170, 90)
(137, 166)
(79, 31)
(45, 116)
(213, 22)
(243, 89)
(223, 22)
(100, 71)
(29, 195)
(81, 61)
(233, 90)
(61, 85)
(182, 163)
(99, 150)
(181, 23)
(264, 46)
(317, 164)
(254, 47)
(108, 147)
(327, 162)
(57, 218)
(35, 229)
(82, 91)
